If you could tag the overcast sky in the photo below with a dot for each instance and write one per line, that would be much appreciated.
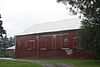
(19, 15)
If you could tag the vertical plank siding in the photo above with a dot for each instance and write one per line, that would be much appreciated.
(61, 44)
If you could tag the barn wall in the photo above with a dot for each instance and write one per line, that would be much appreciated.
(62, 44)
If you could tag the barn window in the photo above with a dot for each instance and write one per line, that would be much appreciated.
(65, 40)
(26, 43)
(19, 43)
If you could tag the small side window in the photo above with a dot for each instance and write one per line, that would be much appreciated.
(65, 40)
(26, 43)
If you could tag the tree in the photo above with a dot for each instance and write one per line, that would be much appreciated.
(10, 42)
(90, 30)
(2, 31)
(2, 43)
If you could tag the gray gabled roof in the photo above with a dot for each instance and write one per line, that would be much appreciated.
(53, 26)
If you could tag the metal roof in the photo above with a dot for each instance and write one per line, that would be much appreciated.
(53, 26)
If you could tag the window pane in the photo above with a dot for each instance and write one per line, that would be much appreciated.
(65, 40)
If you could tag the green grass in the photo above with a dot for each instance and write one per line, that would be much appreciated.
(74, 62)
(9, 63)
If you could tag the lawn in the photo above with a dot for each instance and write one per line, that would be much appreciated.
(74, 62)
(9, 63)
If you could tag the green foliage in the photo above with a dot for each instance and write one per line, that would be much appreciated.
(8, 63)
(2, 31)
(86, 34)
(97, 49)
(5, 43)
(85, 39)
(9, 41)
(90, 29)
(86, 7)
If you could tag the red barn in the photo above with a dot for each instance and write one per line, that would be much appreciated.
(51, 40)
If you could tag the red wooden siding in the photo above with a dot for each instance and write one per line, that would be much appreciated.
(61, 44)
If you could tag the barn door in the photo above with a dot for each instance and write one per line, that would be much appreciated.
(32, 52)
(43, 42)
(58, 43)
